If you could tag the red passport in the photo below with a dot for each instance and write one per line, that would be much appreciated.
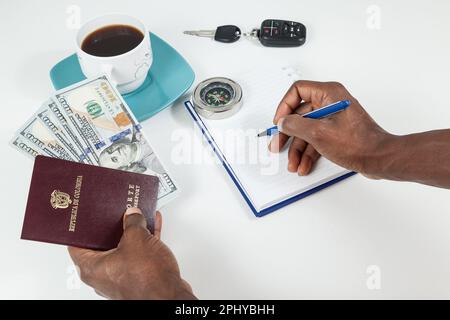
(82, 205)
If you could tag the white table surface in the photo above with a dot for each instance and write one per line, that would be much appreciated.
(319, 247)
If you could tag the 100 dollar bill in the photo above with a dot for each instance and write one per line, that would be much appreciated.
(35, 132)
(109, 132)
(57, 111)
(26, 147)
(49, 120)
(96, 111)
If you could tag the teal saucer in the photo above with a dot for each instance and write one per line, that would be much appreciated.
(169, 77)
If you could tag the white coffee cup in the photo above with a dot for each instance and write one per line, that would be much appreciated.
(128, 70)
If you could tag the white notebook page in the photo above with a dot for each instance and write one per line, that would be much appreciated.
(262, 174)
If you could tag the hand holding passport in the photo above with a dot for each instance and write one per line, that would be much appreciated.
(82, 205)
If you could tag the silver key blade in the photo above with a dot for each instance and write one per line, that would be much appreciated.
(202, 33)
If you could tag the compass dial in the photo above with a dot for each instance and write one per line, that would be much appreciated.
(217, 98)
(217, 94)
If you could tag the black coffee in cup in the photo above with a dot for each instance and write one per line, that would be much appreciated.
(112, 40)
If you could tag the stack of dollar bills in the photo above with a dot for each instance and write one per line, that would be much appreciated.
(89, 122)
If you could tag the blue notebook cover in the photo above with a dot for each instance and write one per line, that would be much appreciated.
(233, 176)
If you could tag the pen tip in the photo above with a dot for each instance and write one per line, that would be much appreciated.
(261, 134)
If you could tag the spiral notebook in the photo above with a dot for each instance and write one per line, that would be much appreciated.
(261, 176)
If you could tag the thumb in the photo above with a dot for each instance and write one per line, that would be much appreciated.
(295, 125)
(133, 217)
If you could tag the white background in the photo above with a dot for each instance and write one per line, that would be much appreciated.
(319, 247)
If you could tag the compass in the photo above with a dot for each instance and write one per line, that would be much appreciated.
(217, 98)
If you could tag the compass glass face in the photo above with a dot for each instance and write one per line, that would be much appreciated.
(217, 94)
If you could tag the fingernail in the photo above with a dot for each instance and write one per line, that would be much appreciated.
(280, 124)
(305, 166)
(274, 121)
(274, 145)
(291, 167)
(133, 211)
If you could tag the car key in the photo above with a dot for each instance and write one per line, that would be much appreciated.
(280, 33)
(272, 33)
(227, 34)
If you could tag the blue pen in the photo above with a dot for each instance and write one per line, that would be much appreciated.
(315, 114)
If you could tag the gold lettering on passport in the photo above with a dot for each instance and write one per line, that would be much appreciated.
(75, 203)
(133, 195)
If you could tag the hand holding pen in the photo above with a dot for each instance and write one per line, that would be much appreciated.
(320, 113)
(350, 139)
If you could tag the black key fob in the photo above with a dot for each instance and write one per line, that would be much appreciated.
(282, 33)
(227, 34)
